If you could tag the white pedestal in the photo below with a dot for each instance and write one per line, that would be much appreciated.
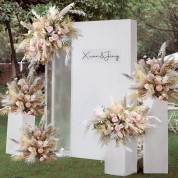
(119, 161)
(155, 146)
(16, 122)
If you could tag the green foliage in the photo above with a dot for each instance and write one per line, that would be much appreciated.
(98, 9)
(6, 10)
(157, 22)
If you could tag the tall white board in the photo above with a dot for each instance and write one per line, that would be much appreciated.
(106, 50)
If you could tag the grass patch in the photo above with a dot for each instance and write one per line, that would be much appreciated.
(73, 167)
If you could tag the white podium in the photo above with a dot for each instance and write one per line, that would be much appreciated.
(120, 161)
(155, 157)
(16, 122)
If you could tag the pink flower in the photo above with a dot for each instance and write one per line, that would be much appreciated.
(55, 36)
(29, 113)
(47, 24)
(40, 44)
(32, 48)
(17, 103)
(32, 110)
(150, 76)
(49, 29)
(160, 98)
(159, 88)
(114, 119)
(119, 127)
(42, 159)
(156, 67)
(146, 86)
(33, 141)
(133, 116)
(37, 133)
(40, 150)
(20, 95)
(51, 39)
(25, 87)
(28, 104)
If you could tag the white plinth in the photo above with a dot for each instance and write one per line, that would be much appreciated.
(156, 140)
(120, 161)
(16, 122)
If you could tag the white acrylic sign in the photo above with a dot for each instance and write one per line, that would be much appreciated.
(111, 48)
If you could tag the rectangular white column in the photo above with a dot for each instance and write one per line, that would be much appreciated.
(155, 158)
(120, 161)
(105, 51)
(17, 122)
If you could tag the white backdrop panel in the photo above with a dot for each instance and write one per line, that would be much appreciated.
(94, 80)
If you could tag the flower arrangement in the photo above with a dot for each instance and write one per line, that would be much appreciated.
(119, 122)
(24, 95)
(37, 143)
(156, 78)
(49, 34)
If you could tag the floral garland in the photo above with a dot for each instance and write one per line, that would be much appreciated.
(37, 143)
(24, 95)
(50, 34)
(119, 122)
(156, 78)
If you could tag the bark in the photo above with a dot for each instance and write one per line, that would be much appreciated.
(15, 66)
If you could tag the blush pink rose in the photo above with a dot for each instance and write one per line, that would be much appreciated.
(156, 67)
(160, 97)
(37, 133)
(25, 87)
(47, 24)
(51, 39)
(150, 77)
(40, 44)
(114, 119)
(159, 88)
(42, 159)
(17, 103)
(28, 104)
(40, 150)
(49, 29)
(146, 86)
(29, 113)
(32, 48)
(55, 36)
(20, 95)
(119, 127)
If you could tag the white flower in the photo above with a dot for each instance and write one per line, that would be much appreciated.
(146, 86)
(165, 79)
(33, 97)
(158, 78)
(31, 158)
(40, 143)
(100, 113)
(27, 97)
(45, 143)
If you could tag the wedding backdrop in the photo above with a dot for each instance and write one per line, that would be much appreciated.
(96, 100)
